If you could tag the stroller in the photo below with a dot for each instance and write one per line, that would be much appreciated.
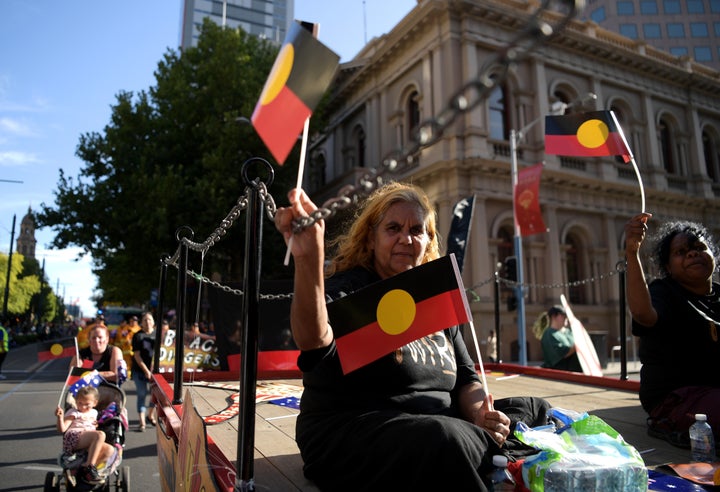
(112, 419)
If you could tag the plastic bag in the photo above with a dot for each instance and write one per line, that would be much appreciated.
(584, 453)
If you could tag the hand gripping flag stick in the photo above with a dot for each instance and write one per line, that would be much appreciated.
(301, 167)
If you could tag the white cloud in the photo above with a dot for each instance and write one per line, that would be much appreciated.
(18, 158)
(15, 127)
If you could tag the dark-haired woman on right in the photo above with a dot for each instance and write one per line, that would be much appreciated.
(677, 318)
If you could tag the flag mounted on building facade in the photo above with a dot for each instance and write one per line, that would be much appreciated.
(56, 349)
(460, 229)
(301, 74)
(527, 203)
(592, 134)
(386, 315)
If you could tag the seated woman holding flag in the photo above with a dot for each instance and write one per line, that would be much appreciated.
(417, 418)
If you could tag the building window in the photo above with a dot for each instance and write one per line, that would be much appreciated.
(711, 150)
(573, 264)
(675, 30)
(360, 144)
(671, 6)
(695, 7)
(679, 51)
(629, 31)
(413, 114)
(648, 7)
(666, 147)
(715, 6)
(699, 30)
(625, 8)
(716, 27)
(702, 53)
(598, 15)
(499, 113)
(652, 31)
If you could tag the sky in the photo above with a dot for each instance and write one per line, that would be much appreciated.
(62, 65)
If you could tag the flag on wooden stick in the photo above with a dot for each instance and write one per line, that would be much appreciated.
(592, 134)
(386, 315)
(300, 76)
(56, 349)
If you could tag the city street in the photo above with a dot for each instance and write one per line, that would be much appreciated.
(29, 442)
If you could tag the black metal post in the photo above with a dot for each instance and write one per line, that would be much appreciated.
(160, 309)
(245, 480)
(497, 317)
(180, 328)
(7, 279)
(623, 328)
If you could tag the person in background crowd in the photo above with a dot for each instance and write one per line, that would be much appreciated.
(4, 346)
(676, 318)
(557, 341)
(143, 346)
(404, 421)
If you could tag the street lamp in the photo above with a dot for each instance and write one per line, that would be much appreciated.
(516, 136)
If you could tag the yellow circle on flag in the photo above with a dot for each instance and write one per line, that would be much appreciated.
(279, 74)
(593, 133)
(396, 312)
(56, 349)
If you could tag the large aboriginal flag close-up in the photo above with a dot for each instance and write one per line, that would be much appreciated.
(384, 316)
(300, 76)
(591, 134)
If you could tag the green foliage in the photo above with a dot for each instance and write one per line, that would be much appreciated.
(171, 156)
(24, 289)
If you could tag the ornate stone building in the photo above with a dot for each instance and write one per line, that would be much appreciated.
(26, 241)
(668, 107)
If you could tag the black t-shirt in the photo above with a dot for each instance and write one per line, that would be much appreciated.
(103, 364)
(682, 349)
(144, 344)
(420, 377)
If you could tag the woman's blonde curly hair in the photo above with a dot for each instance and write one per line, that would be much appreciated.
(352, 247)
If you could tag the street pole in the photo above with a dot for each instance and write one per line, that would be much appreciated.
(7, 279)
(558, 107)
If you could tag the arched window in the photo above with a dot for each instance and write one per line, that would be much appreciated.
(499, 113)
(666, 147)
(412, 113)
(573, 266)
(360, 142)
(711, 151)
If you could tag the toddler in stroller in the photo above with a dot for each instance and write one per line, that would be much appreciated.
(93, 427)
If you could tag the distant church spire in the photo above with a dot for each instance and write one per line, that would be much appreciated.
(26, 239)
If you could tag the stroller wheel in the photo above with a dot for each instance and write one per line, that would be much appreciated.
(51, 483)
(125, 479)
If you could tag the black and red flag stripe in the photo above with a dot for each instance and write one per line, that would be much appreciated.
(591, 134)
(301, 74)
(386, 315)
(56, 349)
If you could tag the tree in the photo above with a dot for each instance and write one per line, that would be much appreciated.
(26, 292)
(170, 157)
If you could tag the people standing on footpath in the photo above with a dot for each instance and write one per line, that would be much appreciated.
(143, 346)
(677, 318)
(400, 422)
(4, 346)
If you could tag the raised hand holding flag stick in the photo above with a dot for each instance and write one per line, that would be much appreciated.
(301, 168)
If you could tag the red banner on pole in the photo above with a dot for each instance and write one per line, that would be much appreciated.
(527, 204)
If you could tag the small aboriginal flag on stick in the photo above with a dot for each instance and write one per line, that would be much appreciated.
(593, 134)
(300, 76)
(384, 316)
(56, 349)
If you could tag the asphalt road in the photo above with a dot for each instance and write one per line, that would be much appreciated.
(29, 442)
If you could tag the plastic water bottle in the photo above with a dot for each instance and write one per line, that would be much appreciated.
(501, 477)
(702, 441)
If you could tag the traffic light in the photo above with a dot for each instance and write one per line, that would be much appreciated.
(511, 268)
(512, 302)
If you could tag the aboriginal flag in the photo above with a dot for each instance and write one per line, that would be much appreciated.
(593, 134)
(300, 76)
(386, 315)
(56, 349)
